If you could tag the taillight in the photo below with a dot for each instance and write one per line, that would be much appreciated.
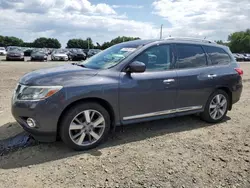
(239, 71)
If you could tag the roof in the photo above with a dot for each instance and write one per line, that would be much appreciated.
(139, 42)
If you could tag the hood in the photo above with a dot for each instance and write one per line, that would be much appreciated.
(38, 54)
(15, 52)
(63, 75)
(2, 50)
(60, 55)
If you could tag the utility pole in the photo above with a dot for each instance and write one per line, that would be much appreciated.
(88, 43)
(161, 31)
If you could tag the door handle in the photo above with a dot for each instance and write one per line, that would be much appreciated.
(211, 75)
(168, 81)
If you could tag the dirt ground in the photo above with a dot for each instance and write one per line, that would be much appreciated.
(179, 152)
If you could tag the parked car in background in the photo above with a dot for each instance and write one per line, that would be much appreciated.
(241, 57)
(246, 57)
(59, 55)
(128, 83)
(3, 51)
(92, 52)
(27, 52)
(39, 55)
(15, 54)
(77, 55)
(11, 48)
(85, 51)
(236, 57)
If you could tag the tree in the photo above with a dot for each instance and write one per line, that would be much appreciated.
(222, 43)
(117, 41)
(80, 43)
(10, 41)
(46, 43)
(240, 41)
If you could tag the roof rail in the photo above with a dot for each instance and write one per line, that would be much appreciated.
(190, 39)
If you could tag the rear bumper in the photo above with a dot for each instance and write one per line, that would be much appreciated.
(236, 93)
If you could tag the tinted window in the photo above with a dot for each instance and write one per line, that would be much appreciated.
(157, 58)
(217, 55)
(190, 56)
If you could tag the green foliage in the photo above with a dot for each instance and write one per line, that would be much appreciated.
(240, 41)
(10, 41)
(117, 41)
(46, 43)
(222, 43)
(39, 43)
(80, 43)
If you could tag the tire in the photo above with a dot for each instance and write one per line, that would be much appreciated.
(77, 112)
(213, 114)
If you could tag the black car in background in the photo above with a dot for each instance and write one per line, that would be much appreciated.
(77, 55)
(85, 51)
(15, 54)
(27, 52)
(92, 52)
(39, 55)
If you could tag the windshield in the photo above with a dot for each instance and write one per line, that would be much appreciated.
(1, 48)
(110, 57)
(60, 51)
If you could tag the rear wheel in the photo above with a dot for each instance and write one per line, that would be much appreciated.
(216, 107)
(85, 126)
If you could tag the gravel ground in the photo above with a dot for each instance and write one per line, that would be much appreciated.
(178, 152)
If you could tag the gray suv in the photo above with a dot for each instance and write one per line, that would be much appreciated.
(131, 82)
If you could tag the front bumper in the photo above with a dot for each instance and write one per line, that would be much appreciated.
(78, 58)
(15, 58)
(46, 113)
(38, 58)
(57, 58)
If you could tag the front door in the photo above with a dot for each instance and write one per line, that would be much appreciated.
(152, 94)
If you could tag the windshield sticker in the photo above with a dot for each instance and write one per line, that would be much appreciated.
(128, 49)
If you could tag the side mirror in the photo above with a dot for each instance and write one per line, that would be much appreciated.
(136, 66)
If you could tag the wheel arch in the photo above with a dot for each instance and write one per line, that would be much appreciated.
(105, 104)
(229, 92)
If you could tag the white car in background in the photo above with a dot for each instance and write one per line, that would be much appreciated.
(59, 55)
(3, 51)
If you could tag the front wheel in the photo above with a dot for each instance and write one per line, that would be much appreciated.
(216, 107)
(85, 126)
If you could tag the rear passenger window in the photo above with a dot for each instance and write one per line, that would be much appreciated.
(190, 56)
(217, 55)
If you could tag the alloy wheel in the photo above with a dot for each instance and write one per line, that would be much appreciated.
(87, 127)
(218, 107)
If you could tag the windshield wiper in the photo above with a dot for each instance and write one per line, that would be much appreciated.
(78, 64)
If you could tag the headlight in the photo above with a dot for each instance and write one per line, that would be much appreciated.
(38, 92)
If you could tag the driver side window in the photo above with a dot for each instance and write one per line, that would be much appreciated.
(156, 58)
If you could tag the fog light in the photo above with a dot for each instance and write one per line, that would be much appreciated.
(31, 122)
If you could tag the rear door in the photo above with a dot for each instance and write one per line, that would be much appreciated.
(221, 67)
(194, 83)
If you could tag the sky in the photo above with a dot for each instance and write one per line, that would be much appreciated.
(103, 20)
